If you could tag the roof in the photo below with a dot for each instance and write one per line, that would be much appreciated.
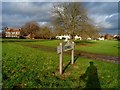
(12, 29)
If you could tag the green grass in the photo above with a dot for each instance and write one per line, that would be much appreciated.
(28, 67)
(107, 47)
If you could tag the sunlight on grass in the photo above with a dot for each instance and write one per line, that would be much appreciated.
(35, 68)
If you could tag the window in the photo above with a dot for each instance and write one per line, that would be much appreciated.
(7, 32)
(13, 32)
(18, 32)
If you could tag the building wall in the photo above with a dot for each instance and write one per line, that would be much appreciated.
(10, 32)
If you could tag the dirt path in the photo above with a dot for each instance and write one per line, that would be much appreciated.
(107, 58)
(102, 57)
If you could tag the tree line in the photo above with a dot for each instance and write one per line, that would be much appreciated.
(34, 30)
(68, 18)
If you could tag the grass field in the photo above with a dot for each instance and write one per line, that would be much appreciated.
(27, 67)
(107, 47)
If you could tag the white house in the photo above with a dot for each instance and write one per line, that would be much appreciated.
(101, 38)
(66, 37)
(89, 38)
(77, 37)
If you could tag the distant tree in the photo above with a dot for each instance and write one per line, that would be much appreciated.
(44, 32)
(59, 31)
(88, 30)
(72, 18)
(108, 37)
(30, 28)
(4, 28)
(3, 31)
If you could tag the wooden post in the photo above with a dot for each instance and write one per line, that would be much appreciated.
(61, 57)
(72, 53)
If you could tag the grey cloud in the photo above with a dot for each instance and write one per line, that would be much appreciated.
(101, 7)
(104, 14)
(113, 19)
(18, 13)
(25, 8)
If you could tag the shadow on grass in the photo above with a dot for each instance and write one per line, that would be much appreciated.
(85, 42)
(21, 40)
(25, 40)
(117, 46)
(75, 58)
(66, 66)
(91, 78)
(18, 40)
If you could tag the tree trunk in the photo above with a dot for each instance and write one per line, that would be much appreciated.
(72, 37)
(31, 36)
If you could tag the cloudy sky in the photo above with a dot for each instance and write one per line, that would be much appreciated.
(16, 14)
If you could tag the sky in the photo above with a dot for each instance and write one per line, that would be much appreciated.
(16, 14)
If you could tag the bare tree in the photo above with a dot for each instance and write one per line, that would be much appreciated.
(71, 17)
(3, 29)
(30, 28)
(44, 33)
(88, 30)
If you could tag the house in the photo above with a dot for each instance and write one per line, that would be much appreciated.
(78, 37)
(63, 37)
(12, 32)
(67, 37)
(116, 37)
